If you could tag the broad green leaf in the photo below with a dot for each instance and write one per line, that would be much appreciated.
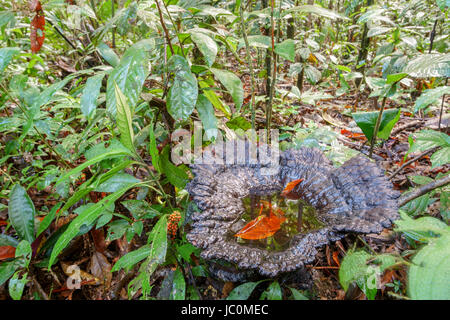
(243, 291)
(258, 41)
(178, 291)
(273, 292)
(111, 152)
(132, 258)
(129, 76)
(6, 54)
(16, 285)
(315, 9)
(117, 182)
(430, 96)
(286, 49)
(90, 94)
(116, 229)
(183, 93)
(21, 213)
(176, 176)
(207, 116)
(157, 241)
(85, 218)
(140, 209)
(429, 65)
(367, 120)
(7, 17)
(427, 139)
(421, 225)
(440, 157)
(312, 74)
(392, 78)
(429, 274)
(232, 83)
(214, 99)
(108, 54)
(23, 250)
(124, 120)
(7, 269)
(6, 240)
(239, 123)
(353, 268)
(206, 45)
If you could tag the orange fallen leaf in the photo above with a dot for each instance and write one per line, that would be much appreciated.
(262, 226)
(7, 252)
(289, 187)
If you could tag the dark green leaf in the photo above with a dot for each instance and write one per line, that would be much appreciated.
(108, 54)
(177, 176)
(183, 93)
(6, 54)
(286, 49)
(232, 83)
(206, 113)
(90, 94)
(367, 120)
(124, 119)
(21, 213)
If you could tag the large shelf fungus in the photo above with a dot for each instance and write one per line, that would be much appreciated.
(355, 197)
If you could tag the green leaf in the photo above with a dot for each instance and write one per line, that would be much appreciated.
(154, 153)
(440, 157)
(243, 291)
(183, 93)
(286, 49)
(6, 240)
(178, 291)
(239, 123)
(428, 276)
(108, 54)
(117, 182)
(112, 151)
(21, 213)
(392, 78)
(429, 65)
(90, 94)
(207, 116)
(129, 76)
(140, 209)
(16, 285)
(367, 120)
(353, 268)
(23, 249)
(206, 45)
(176, 176)
(312, 74)
(7, 269)
(258, 41)
(430, 96)
(232, 83)
(315, 9)
(132, 258)
(273, 292)
(297, 295)
(124, 119)
(48, 219)
(157, 240)
(214, 99)
(85, 218)
(427, 139)
(6, 55)
(422, 225)
(117, 229)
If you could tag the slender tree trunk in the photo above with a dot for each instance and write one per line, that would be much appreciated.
(365, 41)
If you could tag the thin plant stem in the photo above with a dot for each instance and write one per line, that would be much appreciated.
(250, 65)
(377, 127)
(166, 32)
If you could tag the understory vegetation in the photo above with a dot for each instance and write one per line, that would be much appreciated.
(92, 205)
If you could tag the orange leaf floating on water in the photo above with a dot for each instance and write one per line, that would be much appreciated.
(262, 226)
(289, 187)
(7, 252)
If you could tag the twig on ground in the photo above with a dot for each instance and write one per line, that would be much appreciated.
(404, 199)
(411, 161)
